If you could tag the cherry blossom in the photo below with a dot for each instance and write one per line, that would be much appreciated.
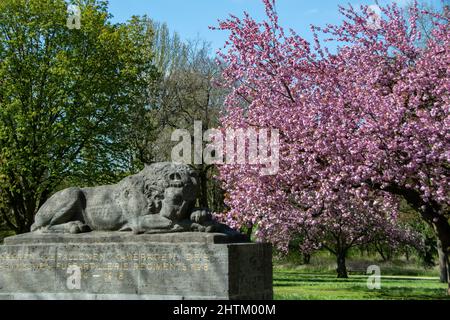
(357, 127)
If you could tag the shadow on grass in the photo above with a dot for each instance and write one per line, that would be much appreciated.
(312, 280)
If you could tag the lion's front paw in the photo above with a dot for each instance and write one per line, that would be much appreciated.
(75, 227)
(178, 228)
(195, 227)
(208, 228)
(201, 216)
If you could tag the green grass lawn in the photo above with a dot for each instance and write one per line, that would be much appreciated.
(298, 285)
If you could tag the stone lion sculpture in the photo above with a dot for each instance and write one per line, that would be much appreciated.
(160, 198)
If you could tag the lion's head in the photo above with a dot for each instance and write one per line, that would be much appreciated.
(170, 188)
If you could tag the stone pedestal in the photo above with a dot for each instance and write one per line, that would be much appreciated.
(98, 266)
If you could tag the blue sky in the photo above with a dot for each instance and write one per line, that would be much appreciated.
(191, 18)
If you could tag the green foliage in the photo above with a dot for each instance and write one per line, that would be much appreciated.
(4, 234)
(428, 253)
(68, 100)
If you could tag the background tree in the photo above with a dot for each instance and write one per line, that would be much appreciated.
(65, 100)
(186, 92)
(342, 225)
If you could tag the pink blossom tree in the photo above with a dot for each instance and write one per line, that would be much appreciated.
(347, 224)
(342, 224)
(365, 123)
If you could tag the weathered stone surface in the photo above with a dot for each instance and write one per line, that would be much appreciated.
(131, 267)
(125, 237)
(160, 198)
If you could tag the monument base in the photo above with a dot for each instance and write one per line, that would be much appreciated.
(122, 266)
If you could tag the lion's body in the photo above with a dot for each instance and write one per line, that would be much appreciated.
(157, 198)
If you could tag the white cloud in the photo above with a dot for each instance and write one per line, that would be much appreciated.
(374, 16)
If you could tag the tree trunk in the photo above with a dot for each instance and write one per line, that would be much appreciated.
(381, 252)
(249, 231)
(341, 267)
(442, 229)
(447, 264)
(389, 254)
(203, 177)
(407, 254)
(306, 258)
(442, 263)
